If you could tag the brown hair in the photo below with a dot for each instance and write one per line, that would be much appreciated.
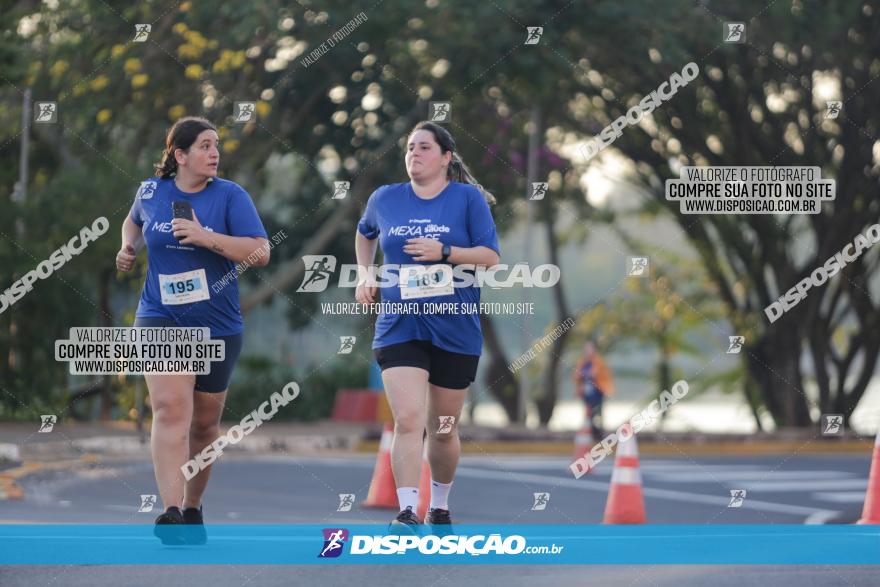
(457, 169)
(181, 135)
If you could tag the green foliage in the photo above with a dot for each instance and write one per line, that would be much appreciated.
(116, 99)
(256, 378)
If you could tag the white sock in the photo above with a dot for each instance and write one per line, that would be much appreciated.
(440, 495)
(408, 497)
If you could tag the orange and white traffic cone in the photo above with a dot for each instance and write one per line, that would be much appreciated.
(583, 442)
(871, 512)
(383, 491)
(424, 485)
(625, 505)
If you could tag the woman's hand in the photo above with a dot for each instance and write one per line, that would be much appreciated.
(365, 292)
(423, 249)
(191, 232)
(125, 258)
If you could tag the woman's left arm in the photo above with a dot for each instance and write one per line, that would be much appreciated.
(473, 256)
(253, 249)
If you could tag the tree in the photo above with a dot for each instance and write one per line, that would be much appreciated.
(761, 103)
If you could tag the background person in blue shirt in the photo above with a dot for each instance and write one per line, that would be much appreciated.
(225, 230)
(428, 361)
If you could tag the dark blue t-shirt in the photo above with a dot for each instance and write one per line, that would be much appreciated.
(177, 273)
(458, 216)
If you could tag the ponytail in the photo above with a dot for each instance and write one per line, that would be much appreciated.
(168, 166)
(459, 171)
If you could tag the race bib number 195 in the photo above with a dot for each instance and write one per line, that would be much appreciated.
(184, 288)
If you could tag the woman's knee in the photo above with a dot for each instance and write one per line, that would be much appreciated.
(443, 435)
(205, 429)
(170, 413)
(409, 421)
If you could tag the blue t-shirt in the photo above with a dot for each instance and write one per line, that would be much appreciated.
(222, 207)
(458, 216)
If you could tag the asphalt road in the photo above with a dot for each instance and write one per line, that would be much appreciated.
(299, 490)
(305, 490)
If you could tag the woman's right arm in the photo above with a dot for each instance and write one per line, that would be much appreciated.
(132, 242)
(365, 251)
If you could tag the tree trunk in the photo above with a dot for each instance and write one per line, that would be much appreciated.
(547, 400)
(664, 371)
(500, 382)
(749, 393)
(106, 320)
(773, 363)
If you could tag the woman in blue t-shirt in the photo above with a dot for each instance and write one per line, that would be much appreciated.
(428, 360)
(190, 282)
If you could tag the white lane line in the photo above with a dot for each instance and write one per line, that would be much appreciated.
(821, 517)
(131, 509)
(559, 463)
(754, 475)
(841, 496)
(683, 496)
(784, 486)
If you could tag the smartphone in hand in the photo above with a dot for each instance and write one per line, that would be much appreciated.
(181, 209)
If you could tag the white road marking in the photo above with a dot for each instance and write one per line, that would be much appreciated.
(820, 517)
(753, 475)
(684, 496)
(786, 486)
(841, 496)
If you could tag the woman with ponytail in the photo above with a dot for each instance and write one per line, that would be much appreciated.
(196, 228)
(438, 220)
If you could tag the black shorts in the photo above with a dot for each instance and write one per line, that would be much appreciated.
(445, 369)
(221, 371)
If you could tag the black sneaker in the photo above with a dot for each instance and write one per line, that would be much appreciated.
(169, 527)
(407, 521)
(195, 531)
(437, 516)
(440, 521)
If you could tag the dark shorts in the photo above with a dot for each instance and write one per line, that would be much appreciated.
(445, 369)
(221, 371)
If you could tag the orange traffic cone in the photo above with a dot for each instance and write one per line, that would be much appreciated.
(871, 513)
(383, 491)
(583, 442)
(424, 485)
(626, 505)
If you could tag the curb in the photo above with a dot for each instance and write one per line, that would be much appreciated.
(132, 446)
(9, 487)
(9, 452)
(366, 442)
(677, 449)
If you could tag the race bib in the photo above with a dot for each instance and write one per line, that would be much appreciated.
(184, 288)
(424, 282)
